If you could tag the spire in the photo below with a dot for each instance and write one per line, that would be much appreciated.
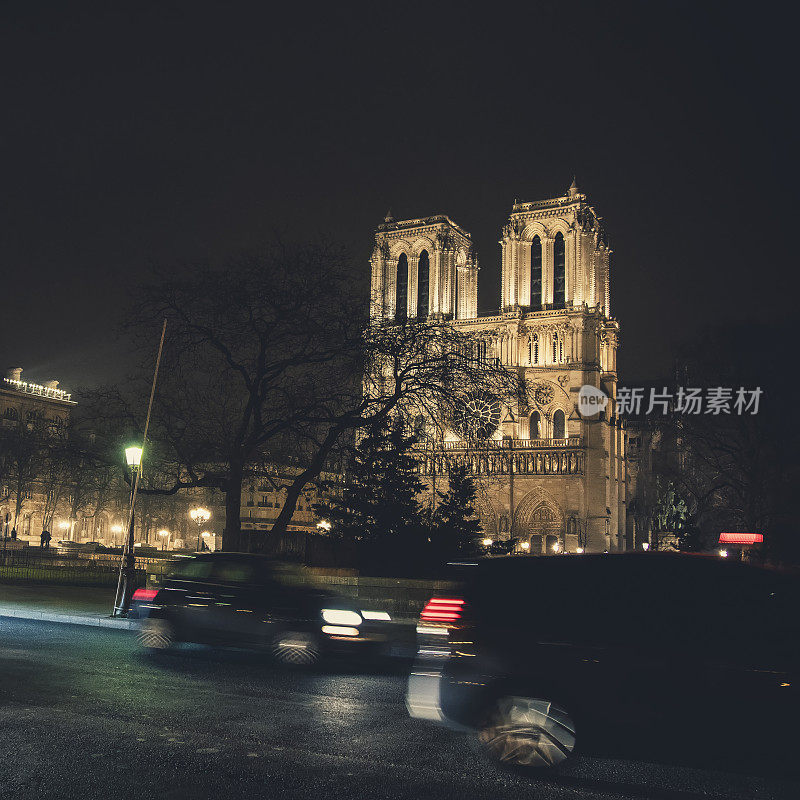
(573, 189)
(388, 218)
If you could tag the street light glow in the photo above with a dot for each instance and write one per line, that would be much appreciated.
(579, 550)
(723, 553)
(200, 515)
(324, 525)
(488, 542)
(645, 546)
(525, 546)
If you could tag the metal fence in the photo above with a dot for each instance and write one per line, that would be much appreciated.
(29, 565)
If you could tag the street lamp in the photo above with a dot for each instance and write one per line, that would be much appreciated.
(525, 546)
(324, 525)
(133, 458)
(488, 542)
(200, 516)
(645, 546)
(133, 455)
(579, 550)
(556, 547)
(164, 536)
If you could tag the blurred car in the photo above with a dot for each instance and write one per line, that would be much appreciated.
(245, 600)
(539, 655)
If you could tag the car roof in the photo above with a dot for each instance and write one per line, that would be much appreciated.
(610, 565)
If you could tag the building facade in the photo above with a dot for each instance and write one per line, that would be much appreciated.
(551, 478)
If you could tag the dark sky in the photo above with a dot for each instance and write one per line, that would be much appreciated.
(137, 134)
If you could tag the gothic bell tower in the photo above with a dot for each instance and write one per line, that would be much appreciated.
(423, 269)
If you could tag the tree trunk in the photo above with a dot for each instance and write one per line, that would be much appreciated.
(295, 489)
(232, 535)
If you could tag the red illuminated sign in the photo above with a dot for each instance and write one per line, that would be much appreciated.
(741, 538)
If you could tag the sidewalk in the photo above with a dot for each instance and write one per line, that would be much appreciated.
(71, 604)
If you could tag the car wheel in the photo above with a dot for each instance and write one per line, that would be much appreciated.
(295, 649)
(156, 634)
(527, 732)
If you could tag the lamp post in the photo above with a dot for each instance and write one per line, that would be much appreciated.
(164, 536)
(200, 516)
(133, 458)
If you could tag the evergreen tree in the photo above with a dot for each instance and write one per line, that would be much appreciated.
(378, 503)
(455, 524)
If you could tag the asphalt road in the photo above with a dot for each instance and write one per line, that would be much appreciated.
(85, 714)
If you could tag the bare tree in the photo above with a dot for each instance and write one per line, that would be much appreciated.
(272, 360)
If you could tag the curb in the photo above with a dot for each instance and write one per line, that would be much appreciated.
(91, 620)
(97, 621)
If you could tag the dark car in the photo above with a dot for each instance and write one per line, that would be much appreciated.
(243, 600)
(686, 654)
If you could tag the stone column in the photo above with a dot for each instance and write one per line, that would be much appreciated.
(391, 288)
(547, 270)
(570, 271)
(413, 267)
(504, 292)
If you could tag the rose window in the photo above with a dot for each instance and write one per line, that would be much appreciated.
(480, 417)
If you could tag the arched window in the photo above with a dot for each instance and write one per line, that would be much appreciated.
(559, 271)
(534, 426)
(10, 413)
(533, 349)
(536, 273)
(556, 342)
(559, 424)
(482, 351)
(423, 280)
(401, 309)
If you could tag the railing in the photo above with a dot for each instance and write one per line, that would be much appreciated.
(34, 566)
(532, 457)
(514, 444)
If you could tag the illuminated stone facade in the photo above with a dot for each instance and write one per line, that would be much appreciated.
(546, 475)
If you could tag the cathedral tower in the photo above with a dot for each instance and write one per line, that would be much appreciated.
(548, 476)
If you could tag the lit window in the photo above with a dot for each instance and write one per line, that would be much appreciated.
(533, 349)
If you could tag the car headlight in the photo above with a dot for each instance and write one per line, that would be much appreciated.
(338, 616)
(381, 615)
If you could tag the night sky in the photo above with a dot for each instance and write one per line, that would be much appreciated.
(143, 134)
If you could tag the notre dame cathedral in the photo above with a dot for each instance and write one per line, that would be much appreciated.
(551, 478)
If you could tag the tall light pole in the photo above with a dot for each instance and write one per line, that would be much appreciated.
(133, 457)
(200, 516)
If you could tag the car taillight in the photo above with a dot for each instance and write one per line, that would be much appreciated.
(144, 595)
(442, 609)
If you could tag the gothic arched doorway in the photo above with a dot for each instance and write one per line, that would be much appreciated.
(540, 521)
(545, 529)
